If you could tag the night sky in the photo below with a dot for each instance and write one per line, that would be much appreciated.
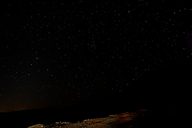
(58, 53)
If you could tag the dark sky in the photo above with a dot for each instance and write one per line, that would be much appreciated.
(58, 53)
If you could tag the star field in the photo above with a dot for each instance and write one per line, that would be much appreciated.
(56, 52)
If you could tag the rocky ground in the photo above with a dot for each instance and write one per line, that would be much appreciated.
(112, 121)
